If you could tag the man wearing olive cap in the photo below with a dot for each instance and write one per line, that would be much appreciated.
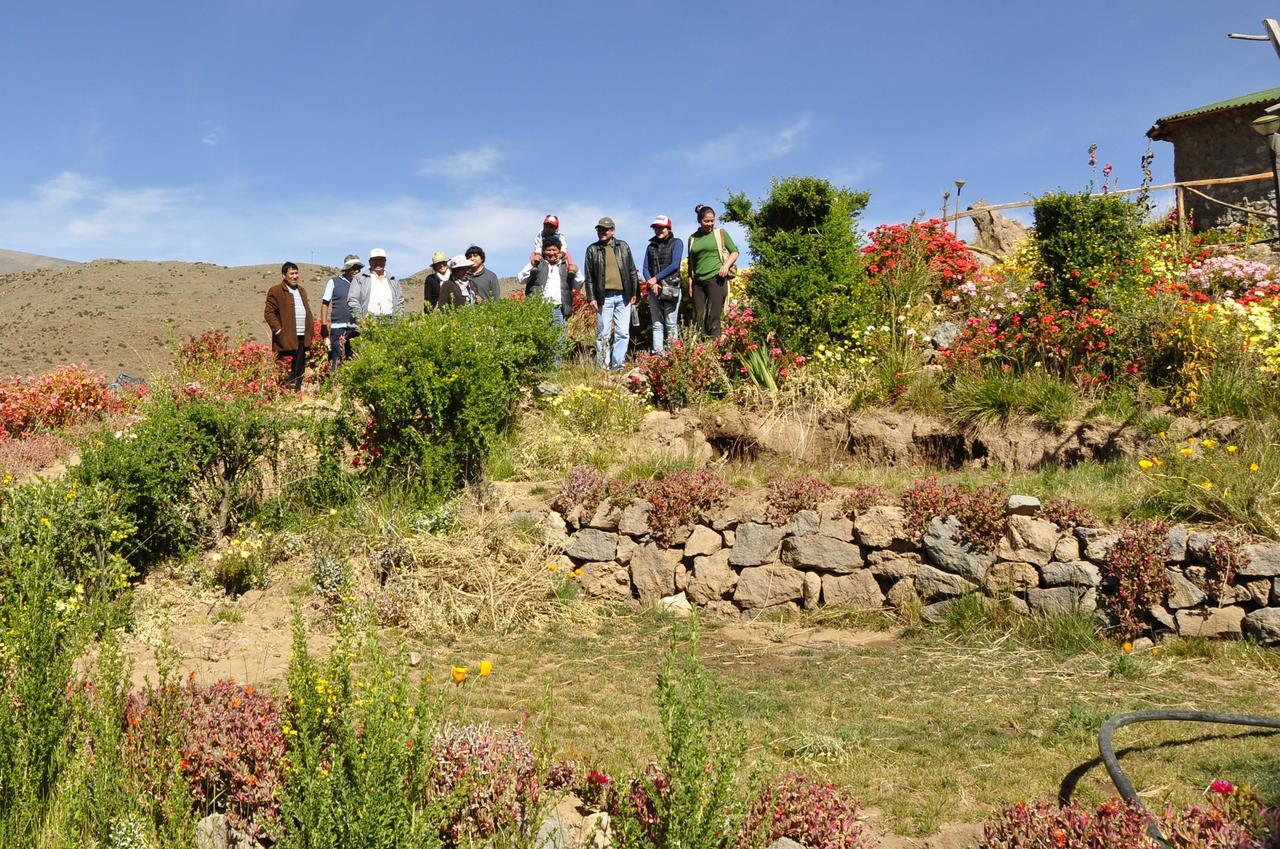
(611, 279)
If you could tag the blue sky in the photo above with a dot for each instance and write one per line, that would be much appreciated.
(246, 131)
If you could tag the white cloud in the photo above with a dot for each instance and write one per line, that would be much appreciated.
(81, 217)
(212, 136)
(462, 165)
(747, 144)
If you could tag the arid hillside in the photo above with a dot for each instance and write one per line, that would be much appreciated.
(12, 261)
(126, 316)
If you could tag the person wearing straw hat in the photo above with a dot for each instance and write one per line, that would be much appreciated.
(336, 321)
(433, 282)
(457, 291)
(374, 292)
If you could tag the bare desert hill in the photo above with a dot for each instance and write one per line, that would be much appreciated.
(126, 316)
(13, 261)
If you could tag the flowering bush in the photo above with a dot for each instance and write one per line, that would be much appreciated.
(817, 815)
(985, 295)
(65, 396)
(1067, 514)
(494, 771)
(584, 487)
(1227, 275)
(760, 361)
(211, 366)
(1207, 480)
(243, 565)
(930, 243)
(979, 511)
(1045, 825)
(1134, 575)
(684, 374)
(678, 500)
(864, 496)
(788, 496)
(598, 410)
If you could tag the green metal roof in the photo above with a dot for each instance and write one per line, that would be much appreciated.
(1268, 96)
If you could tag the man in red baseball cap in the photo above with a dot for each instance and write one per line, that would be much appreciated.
(550, 227)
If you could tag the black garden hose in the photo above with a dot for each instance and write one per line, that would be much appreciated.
(1122, 782)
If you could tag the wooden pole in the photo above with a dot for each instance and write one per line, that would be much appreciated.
(1182, 210)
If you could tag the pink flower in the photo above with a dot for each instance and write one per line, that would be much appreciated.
(1222, 786)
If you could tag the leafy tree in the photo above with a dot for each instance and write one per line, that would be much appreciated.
(808, 285)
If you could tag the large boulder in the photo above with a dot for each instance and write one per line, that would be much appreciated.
(712, 578)
(1028, 540)
(812, 590)
(1077, 573)
(880, 526)
(1022, 505)
(1067, 550)
(821, 553)
(858, 589)
(653, 572)
(894, 564)
(933, 584)
(1175, 544)
(937, 612)
(803, 523)
(702, 542)
(943, 549)
(635, 519)
(995, 233)
(837, 526)
(605, 579)
(606, 516)
(1096, 543)
(1060, 600)
(1264, 625)
(768, 586)
(754, 544)
(593, 544)
(1182, 593)
(1010, 577)
(1211, 622)
(1261, 560)
(1200, 544)
(903, 594)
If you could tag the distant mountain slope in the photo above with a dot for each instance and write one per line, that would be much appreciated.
(124, 316)
(13, 261)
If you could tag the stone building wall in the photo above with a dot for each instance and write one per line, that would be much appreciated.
(738, 564)
(1221, 144)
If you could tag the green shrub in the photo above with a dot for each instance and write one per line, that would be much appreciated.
(440, 388)
(691, 796)
(188, 472)
(808, 285)
(992, 395)
(1085, 242)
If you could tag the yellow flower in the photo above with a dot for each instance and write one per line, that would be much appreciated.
(1206, 485)
(1186, 452)
(1128, 647)
(459, 674)
(1253, 467)
(486, 667)
(1209, 443)
(1145, 464)
(44, 520)
(1157, 461)
(1231, 449)
(333, 511)
(1163, 435)
(1155, 652)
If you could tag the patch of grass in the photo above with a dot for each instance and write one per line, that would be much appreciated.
(975, 617)
(227, 614)
(937, 727)
(993, 397)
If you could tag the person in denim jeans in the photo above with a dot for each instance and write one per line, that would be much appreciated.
(662, 267)
(611, 281)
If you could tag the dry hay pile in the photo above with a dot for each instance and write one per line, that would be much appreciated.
(485, 573)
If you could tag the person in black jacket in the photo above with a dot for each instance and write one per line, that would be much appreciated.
(611, 281)
(432, 282)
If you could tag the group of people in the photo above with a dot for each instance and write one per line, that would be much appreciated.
(609, 279)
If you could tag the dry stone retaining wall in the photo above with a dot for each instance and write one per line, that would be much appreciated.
(739, 564)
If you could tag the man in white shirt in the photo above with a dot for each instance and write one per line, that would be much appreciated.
(374, 292)
(554, 279)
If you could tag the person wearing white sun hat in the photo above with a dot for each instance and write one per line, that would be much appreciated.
(662, 282)
(457, 292)
(376, 293)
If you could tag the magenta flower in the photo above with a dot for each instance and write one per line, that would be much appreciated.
(1222, 786)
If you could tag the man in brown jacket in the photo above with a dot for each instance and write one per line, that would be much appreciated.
(288, 314)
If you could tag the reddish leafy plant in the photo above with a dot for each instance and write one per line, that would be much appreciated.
(817, 815)
(788, 496)
(1134, 575)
